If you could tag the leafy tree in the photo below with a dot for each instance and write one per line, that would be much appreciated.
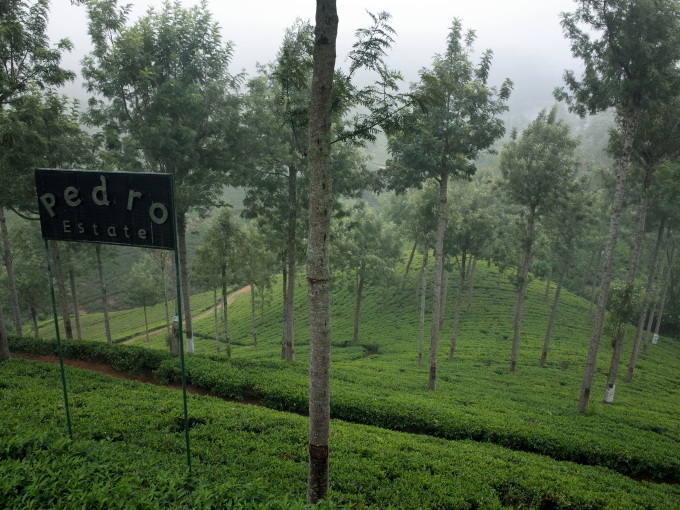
(169, 104)
(455, 119)
(630, 52)
(143, 288)
(367, 249)
(539, 169)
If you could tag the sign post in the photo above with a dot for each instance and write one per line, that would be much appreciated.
(123, 208)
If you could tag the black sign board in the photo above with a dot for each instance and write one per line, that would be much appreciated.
(133, 209)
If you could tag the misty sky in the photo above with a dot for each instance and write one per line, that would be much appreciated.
(525, 36)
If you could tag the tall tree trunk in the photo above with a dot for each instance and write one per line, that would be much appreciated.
(423, 289)
(357, 305)
(445, 291)
(225, 310)
(659, 317)
(217, 322)
(587, 275)
(645, 304)
(291, 251)
(438, 277)
(594, 285)
(522, 275)
(146, 327)
(11, 281)
(105, 299)
(61, 290)
(408, 265)
(34, 318)
(627, 304)
(457, 305)
(184, 284)
(471, 284)
(548, 281)
(253, 331)
(165, 297)
(553, 311)
(617, 205)
(318, 247)
(76, 305)
(284, 288)
(4, 340)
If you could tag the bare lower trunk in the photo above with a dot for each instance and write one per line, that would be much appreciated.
(445, 291)
(657, 327)
(522, 275)
(423, 289)
(408, 265)
(471, 284)
(217, 322)
(645, 304)
(548, 281)
(438, 277)
(457, 306)
(4, 340)
(318, 247)
(553, 314)
(622, 175)
(76, 305)
(284, 288)
(11, 281)
(289, 302)
(34, 318)
(610, 389)
(146, 327)
(594, 286)
(61, 290)
(184, 284)
(357, 305)
(253, 331)
(225, 311)
(105, 299)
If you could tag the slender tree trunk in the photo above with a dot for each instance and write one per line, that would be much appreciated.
(184, 284)
(547, 284)
(659, 317)
(318, 247)
(594, 285)
(289, 302)
(357, 306)
(146, 327)
(645, 304)
(76, 305)
(253, 331)
(105, 299)
(11, 281)
(553, 312)
(4, 340)
(217, 322)
(588, 273)
(522, 275)
(225, 309)
(408, 265)
(34, 318)
(445, 291)
(284, 288)
(165, 297)
(617, 205)
(423, 290)
(627, 304)
(61, 290)
(471, 284)
(457, 305)
(438, 277)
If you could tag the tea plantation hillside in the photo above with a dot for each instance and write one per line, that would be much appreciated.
(486, 438)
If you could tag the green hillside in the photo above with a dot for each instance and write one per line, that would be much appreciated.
(486, 438)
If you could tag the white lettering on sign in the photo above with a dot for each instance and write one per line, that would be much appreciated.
(100, 191)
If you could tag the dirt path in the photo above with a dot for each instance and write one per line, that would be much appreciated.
(159, 331)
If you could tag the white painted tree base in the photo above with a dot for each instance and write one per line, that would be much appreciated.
(190, 345)
(655, 339)
(609, 395)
